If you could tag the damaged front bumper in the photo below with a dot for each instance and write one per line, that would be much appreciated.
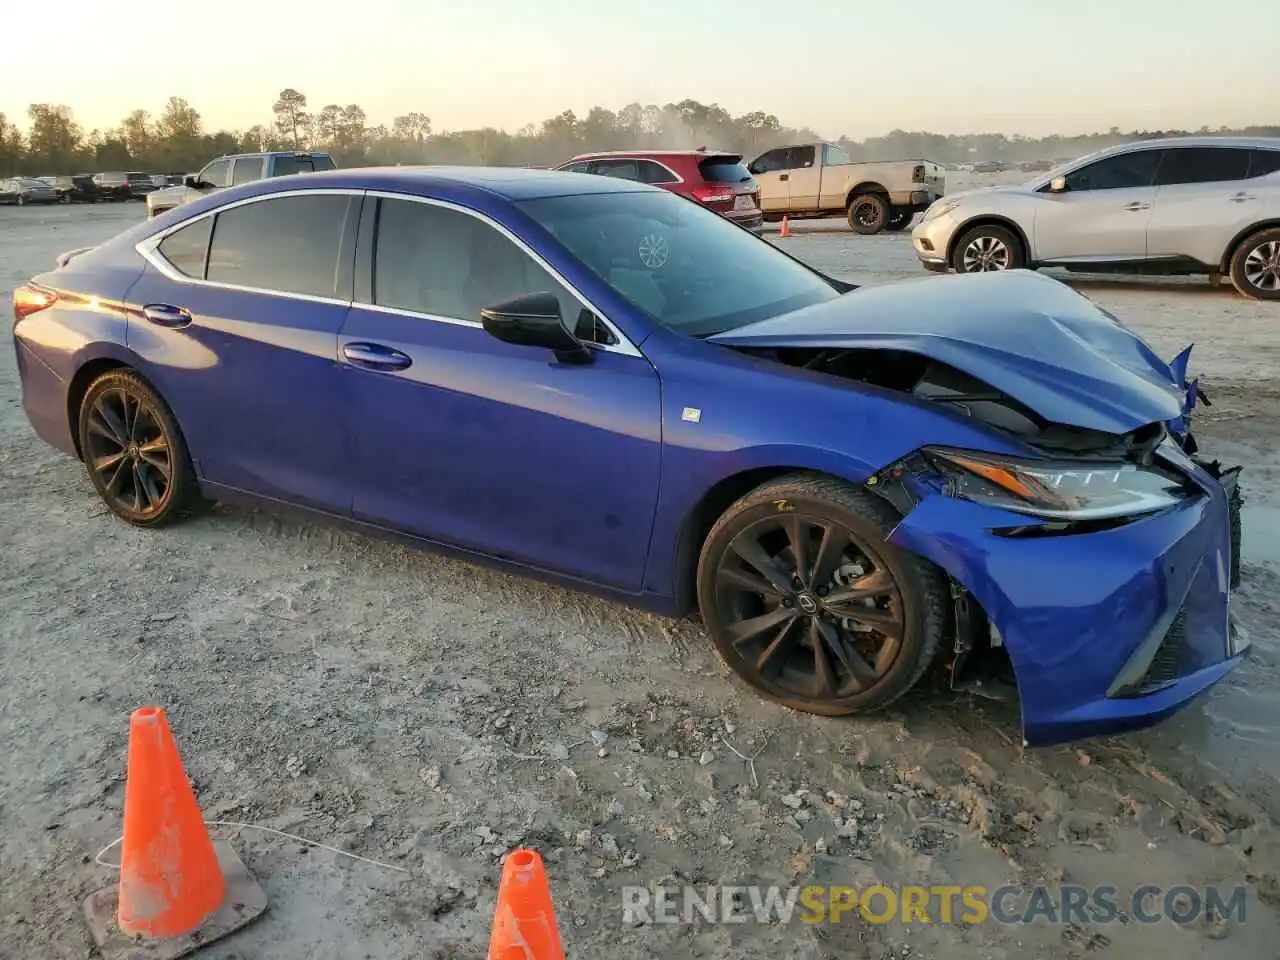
(1109, 630)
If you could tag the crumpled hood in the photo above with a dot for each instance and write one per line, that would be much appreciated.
(1027, 335)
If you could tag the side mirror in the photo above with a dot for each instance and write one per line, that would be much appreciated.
(534, 320)
(1058, 185)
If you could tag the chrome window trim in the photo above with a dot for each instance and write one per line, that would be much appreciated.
(563, 168)
(148, 249)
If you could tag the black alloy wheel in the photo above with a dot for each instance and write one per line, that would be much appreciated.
(134, 452)
(868, 213)
(807, 603)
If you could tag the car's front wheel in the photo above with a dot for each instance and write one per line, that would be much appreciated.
(1255, 267)
(808, 603)
(134, 452)
(988, 248)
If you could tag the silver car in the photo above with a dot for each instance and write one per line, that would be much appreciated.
(1188, 205)
(24, 190)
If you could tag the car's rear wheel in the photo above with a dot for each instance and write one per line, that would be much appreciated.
(1255, 266)
(868, 213)
(808, 603)
(899, 218)
(134, 452)
(988, 248)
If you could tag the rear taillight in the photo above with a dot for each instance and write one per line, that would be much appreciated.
(917, 175)
(714, 193)
(29, 299)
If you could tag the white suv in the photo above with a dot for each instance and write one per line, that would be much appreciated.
(1190, 205)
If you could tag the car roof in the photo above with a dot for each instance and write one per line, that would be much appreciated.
(512, 183)
(1271, 143)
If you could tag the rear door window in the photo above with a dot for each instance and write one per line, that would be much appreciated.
(284, 244)
(624, 168)
(1182, 165)
(187, 248)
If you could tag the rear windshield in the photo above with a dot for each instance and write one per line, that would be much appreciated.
(724, 170)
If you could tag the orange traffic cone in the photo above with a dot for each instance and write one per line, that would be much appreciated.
(786, 228)
(524, 923)
(177, 888)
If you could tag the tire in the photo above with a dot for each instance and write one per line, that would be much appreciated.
(1255, 266)
(986, 249)
(122, 417)
(868, 213)
(899, 219)
(733, 605)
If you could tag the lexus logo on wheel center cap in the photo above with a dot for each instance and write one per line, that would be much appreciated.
(806, 603)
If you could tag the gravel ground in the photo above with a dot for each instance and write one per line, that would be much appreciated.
(430, 714)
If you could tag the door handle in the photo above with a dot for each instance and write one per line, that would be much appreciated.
(1242, 197)
(165, 315)
(782, 178)
(374, 356)
(1137, 205)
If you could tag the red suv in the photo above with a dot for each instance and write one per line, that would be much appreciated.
(719, 181)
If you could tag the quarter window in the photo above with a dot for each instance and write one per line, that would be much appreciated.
(441, 262)
(1263, 162)
(1118, 172)
(187, 248)
(215, 174)
(285, 244)
(651, 172)
(1202, 165)
(579, 167)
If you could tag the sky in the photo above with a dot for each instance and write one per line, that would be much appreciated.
(850, 67)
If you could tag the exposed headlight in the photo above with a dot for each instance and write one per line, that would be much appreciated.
(1058, 491)
(938, 208)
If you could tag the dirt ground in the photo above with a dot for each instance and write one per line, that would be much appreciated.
(431, 714)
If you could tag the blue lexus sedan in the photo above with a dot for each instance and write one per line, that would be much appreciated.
(600, 382)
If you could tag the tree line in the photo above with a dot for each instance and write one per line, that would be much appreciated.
(176, 141)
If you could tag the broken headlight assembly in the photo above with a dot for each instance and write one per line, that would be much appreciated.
(1062, 490)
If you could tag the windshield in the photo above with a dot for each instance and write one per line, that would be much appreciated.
(685, 266)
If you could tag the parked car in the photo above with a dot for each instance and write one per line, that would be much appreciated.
(716, 179)
(140, 185)
(234, 170)
(79, 188)
(1035, 166)
(821, 180)
(113, 185)
(990, 166)
(23, 190)
(594, 380)
(1185, 205)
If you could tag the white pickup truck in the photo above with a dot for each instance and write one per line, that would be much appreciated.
(821, 180)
